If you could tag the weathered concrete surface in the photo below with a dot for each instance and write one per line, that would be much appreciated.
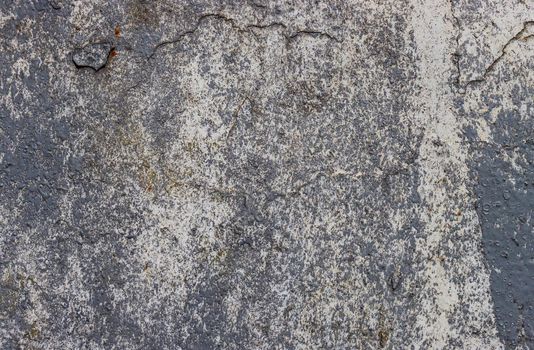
(267, 174)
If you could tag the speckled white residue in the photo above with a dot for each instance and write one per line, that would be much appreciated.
(5, 18)
(21, 67)
(85, 18)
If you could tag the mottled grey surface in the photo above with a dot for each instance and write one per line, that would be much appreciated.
(267, 174)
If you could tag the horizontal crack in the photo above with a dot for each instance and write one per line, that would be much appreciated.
(247, 28)
(192, 31)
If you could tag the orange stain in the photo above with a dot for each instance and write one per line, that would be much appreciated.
(117, 32)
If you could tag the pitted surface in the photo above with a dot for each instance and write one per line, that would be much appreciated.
(266, 174)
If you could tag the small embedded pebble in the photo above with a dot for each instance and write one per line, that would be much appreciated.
(93, 55)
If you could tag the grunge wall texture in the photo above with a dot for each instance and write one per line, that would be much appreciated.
(350, 174)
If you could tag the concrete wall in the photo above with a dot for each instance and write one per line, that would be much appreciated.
(208, 174)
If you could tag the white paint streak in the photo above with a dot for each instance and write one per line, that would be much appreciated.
(444, 179)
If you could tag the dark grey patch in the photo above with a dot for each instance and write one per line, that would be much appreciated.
(93, 55)
(504, 169)
(506, 212)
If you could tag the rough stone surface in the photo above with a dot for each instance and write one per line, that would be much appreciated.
(352, 174)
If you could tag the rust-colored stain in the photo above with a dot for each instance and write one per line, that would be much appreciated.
(117, 32)
(113, 53)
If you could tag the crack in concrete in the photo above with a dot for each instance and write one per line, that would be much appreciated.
(493, 64)
(233, 22)
(192, 31)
